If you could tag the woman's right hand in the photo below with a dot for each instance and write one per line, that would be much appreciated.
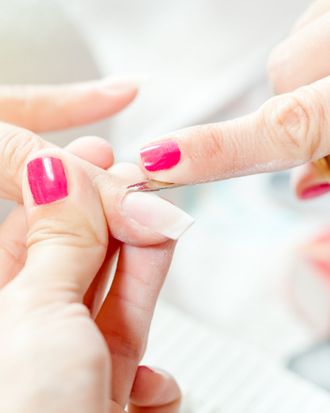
(288, 130)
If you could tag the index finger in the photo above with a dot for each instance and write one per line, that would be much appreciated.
(45, 108)
(125, 316)
(286, 131)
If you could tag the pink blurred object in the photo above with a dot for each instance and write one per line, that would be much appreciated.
(310, 283)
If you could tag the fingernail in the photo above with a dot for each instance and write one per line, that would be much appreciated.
(47, 180)
(315, 191)
(156, 214)
(160, 156)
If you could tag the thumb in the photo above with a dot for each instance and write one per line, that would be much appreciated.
(67, 237)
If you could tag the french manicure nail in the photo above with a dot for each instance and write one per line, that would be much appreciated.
(47, 180)
(156, 214)
(160, 156)
(315, 191)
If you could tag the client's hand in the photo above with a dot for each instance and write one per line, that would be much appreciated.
(53, 356)
(289, 130)
(301, 60)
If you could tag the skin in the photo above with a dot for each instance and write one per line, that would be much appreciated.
(288, 130)
(57, 352)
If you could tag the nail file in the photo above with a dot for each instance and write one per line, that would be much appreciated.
(152, 185)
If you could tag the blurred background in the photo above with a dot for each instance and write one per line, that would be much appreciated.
(239, 269)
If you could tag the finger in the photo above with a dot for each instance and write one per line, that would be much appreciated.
(287, 131)
(139, 219)
(94, 150)
(46, 108)
(125, 317)
(99, 288)
(303, 57)
(316, 9)
(154, 391)
(12, 245)
(13, 230)
(67, 237)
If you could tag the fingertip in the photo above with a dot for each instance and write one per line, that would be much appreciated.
(93, 149)
(128, 173)
(154, 388)
(121, 90)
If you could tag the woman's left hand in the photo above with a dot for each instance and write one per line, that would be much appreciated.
(126, 314)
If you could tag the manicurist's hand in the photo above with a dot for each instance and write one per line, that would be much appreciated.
(146, 223)
(288, 130)
(54, 357)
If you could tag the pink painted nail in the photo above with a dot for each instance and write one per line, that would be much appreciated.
(160, 156)
(47, 180)
(315, 191)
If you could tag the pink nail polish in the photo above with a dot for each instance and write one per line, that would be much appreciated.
(161, 156)
(47, 180)
(315, 191)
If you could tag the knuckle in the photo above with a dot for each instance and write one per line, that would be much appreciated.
(65, 231)
(15, 146)
(131, 348)
(292, 123)
(13, 250)
(206, 143)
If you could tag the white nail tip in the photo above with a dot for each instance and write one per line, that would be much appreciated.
(156, 214)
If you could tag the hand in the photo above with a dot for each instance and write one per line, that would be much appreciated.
(16, 145)
(46, 108)
(53, 355)
(288, 130)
